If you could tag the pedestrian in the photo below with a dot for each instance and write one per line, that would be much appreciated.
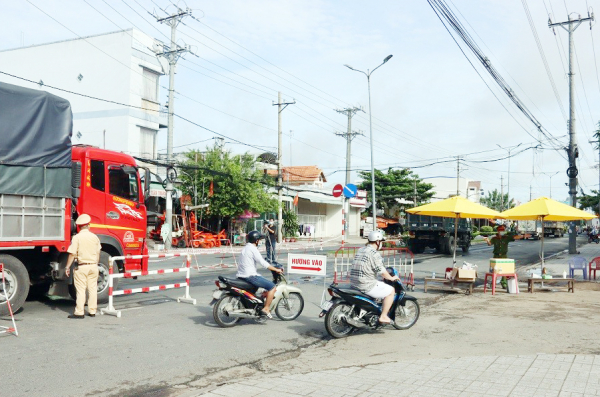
(500, 242)
(271, 241)
(85, 247)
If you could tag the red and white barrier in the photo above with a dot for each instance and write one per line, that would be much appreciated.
(111, 276)
(12, 329)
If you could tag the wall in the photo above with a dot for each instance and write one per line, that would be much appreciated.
(111, 65)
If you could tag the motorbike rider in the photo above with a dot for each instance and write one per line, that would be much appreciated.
(367, 264)
(247, 262)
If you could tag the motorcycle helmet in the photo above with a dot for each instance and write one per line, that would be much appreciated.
(254, 236)
(375, 236)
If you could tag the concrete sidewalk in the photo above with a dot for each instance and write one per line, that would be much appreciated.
(531, 375)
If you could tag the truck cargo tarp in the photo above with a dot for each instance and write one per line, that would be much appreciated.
(35, 149)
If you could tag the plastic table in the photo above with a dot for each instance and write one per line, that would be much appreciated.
(495, 277)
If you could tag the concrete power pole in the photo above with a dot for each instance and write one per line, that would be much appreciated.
(172, 53)
(280, 106)
(573, 152)
(458, 175)
(501, 193)
(349, 135)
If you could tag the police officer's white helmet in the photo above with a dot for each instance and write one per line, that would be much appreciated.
(375, 236)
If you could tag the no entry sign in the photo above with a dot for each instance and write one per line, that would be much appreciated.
(314, 265)
(337, 190)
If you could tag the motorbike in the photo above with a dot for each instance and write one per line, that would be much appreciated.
(349, 309)
(593, 238)
(236, 299)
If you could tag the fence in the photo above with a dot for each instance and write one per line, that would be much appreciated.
(401, 259)
(111, 276)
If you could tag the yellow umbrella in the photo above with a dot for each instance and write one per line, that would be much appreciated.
(546, 209)
(455, 207)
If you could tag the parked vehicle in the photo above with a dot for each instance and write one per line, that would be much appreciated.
(350, 309)
(46, 183)
(533, 229)
(593, 238)
(236, 299)
(436, 232)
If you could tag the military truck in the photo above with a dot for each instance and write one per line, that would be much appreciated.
(438, 233)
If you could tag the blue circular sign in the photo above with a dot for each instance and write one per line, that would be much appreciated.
(350, 190)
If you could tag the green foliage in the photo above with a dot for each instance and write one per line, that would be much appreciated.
(290, 223)
(238, 186)
(395, 184)
(486, 230)
(497, 201)
(590, 201)
(474, 229)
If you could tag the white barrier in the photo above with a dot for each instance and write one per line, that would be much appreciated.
(111, 276)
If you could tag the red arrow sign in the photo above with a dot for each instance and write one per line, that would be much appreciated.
(314, 269)
(338, 190)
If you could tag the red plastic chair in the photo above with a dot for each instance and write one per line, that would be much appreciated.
(594, 266)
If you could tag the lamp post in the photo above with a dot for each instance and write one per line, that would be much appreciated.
(551, 182)
(508, 175)
(368, 74)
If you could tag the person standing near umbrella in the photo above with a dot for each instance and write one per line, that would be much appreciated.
(500, 242)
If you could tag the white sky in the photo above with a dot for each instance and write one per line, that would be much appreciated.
(428, 103)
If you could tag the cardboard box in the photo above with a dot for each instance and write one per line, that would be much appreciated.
(504, 265)
(464, 274)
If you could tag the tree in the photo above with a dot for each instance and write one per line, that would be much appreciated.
(236, 184)
(590, 201)
(395, 184)
(496, 201)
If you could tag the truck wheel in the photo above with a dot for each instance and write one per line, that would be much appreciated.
(16, 279)
(102, 279)
(450, 246)
(465, 248)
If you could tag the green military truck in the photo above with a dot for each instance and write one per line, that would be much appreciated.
(436, 232)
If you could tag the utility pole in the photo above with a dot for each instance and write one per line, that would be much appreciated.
(530, 197)
(349, 135)
(573, 152)
(280, 106)
(415, 193)
(501, 193)
(104, 139)
(172, 53)
(458, 175)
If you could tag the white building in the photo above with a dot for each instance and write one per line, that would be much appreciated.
(119, 66)
(447, 187)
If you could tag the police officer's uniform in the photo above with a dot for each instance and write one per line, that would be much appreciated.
(85, 247)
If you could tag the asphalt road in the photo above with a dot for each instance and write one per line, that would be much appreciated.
(159, 343)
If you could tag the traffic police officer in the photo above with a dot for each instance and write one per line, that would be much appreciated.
(85, 247)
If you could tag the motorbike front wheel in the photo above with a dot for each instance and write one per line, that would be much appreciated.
(335, 320)
(225, 304)
(407, 315)
(290, 308)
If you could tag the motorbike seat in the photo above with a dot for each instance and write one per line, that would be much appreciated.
(239, 283)
(353, 291)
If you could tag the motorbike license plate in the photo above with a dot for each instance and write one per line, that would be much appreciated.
(217, 294)
(326, 305)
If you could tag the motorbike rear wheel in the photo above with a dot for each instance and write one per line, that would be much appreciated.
(335, 322)
(407, 315)
(289, 309)
(223, 305)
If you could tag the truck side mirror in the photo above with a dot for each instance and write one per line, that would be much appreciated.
(147, 180)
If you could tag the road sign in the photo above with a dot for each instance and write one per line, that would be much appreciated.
(350, 190)
(337, 190)
(313, 265)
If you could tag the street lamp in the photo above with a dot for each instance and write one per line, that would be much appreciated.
(551, 181)
(508, 182)
(368, 74)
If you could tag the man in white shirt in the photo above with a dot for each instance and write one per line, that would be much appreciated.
(247, 269)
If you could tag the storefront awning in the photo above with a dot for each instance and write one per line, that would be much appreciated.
(320, 198)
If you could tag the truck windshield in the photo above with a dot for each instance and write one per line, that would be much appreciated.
(123, 184)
